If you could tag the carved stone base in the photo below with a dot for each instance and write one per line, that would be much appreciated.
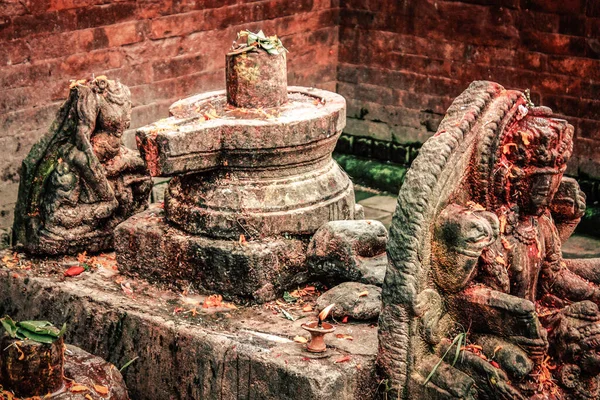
(50, 244)
(147, 246)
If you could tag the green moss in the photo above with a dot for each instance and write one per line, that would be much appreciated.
(382, 176)
(590, 221)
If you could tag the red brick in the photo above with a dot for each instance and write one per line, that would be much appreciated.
(83, 65)
(14, 52)
(126, 33)
(26, 74)
(51, 22)
(150, 50)
(553, 6)
(176, 25)
(538, 21)
(552, 43)
(12, 8)
(57, 5)
(572, 25)
(132, 75)
(588, 128)
(106, 14)
(30, 119)
(146, 114)
(574, 106)
(593, 9)
(178, 66)
(24, 97)
(575, 66)
(592, 27)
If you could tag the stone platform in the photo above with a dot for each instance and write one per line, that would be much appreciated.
(149, 247)
(186, 351)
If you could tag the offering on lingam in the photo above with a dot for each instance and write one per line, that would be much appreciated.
(478, 301)
(318, 329)
(252, 180)
(35, 363)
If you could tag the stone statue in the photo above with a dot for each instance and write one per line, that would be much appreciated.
(478, 301)
(79, 181)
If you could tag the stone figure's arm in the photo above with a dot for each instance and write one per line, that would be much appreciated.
(558, 279)
(568, 206)
(587, 268)
(460, 236)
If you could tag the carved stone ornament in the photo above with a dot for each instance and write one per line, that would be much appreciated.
(79, 181)
(478, 302)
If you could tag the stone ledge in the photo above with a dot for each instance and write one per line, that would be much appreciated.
(208, 356)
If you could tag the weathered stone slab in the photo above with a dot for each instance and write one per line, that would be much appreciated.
(193, 140)
(249, 355)
(149, 247)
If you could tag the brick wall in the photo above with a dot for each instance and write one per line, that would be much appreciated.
(162, 49)
(402, 62)
(399, 62)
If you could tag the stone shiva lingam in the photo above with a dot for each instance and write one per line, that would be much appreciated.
(252, 179)
(478, 302)
(79, 181)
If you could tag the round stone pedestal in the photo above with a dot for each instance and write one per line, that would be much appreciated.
(262, 172)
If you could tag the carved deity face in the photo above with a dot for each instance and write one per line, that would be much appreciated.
(534, 154)
(536, 191)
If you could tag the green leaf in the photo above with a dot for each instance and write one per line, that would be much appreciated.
(36, 337)
(40, 327)
(458, 342)
(289, 298)
(287, 315)
(9, 325)
(128, 363)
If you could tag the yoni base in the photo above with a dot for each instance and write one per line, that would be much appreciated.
(257, 270)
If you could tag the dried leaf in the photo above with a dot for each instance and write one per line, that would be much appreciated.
(126, 287)
(500, 260)
(242, 240)
(475, 206)
(77, 388)
(88, 397)
(307, 308)
(300, 339)
(345, 320)
(507, 146)
(525, 137)
(363, 293)
(82, 257)
(343, 359)
(103, 390)
(214, 300)
(502, 220)
(343, 336)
